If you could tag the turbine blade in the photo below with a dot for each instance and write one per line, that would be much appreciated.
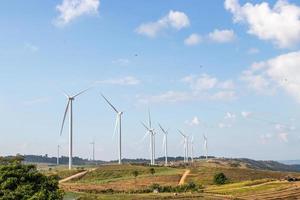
(65, 93)
(182, 133)
(145, 126)
(150, 123)
(116, 126)
(64, 119)
(83, 91)
(163, 130)
(109, 103)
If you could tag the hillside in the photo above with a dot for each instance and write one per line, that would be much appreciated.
(263, 165)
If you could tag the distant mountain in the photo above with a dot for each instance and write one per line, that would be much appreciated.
(290, 162)
(264, 165)
(62, 160)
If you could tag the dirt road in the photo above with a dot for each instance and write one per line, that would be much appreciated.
(185, 174)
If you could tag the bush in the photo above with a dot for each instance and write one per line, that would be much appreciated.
(22, 182)
(220, 179)
(189, 187)
(152, 171)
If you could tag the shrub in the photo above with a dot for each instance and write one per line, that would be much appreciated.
(152, 171)
(220, 179)
(18, 181)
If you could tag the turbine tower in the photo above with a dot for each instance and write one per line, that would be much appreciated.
(93, 145)
(118, 122)
(192, 149)
(185, 140)
(205, 146)
(57, 161)
(69, 108)
(165, 143)
(152, 133)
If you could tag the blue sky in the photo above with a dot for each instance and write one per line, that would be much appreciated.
(229, 69)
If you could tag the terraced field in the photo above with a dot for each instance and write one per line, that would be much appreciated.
(244, 183)
(120, 178)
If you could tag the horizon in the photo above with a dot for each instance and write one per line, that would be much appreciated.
(215, 72)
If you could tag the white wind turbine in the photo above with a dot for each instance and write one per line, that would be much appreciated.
(192, 149)
(57, 161)
(93, 145)
(69, 108)
(118, 122)
(185, 140)
(152, 133)
(205, 146)
(165, 143)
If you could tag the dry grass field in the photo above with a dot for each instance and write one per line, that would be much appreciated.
(243, 182)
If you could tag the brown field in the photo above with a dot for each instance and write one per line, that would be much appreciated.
(244, 183)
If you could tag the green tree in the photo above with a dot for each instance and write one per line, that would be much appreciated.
(24, 182)
(152, 171)
(220, 179)
(135, 173)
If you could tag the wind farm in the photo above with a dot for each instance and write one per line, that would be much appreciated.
(150, 100)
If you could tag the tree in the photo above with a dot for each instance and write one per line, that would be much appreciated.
(22, 182)
(135, 173)
(220, 179)
(152, 171)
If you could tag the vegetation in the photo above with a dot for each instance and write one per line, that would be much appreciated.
(220, 178)
(112, 173)
(152, 171)
(22, 182)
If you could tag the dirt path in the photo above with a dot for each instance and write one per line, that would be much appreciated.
(185, 174)
(76, 176)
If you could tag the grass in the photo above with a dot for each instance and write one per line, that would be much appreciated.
(111, 173)
(61, 171)
(120, 178)
(140, 196)
(203, 175)
(247, 187)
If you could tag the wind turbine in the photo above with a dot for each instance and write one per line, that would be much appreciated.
(69, 108)
(192, 148)
(185, 140)
(93, 145)
(165, 142)
(205, 146)
(118, 122)
(57, 162)
(152, 133)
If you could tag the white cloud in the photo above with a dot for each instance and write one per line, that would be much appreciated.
(202, 82)
(72, 9)
(222, 36)
(246, 114)
(31, 47)
(224, 95)
(193, 40)
(230, 115)
(175, 19)
(258, 82)
(194, 122)
(282, 71)
(121, 61)
(128, 80)
(224, 125)
(167, 97)
(279, 24)
(201, 87)
(265, 138)
(228, 85)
